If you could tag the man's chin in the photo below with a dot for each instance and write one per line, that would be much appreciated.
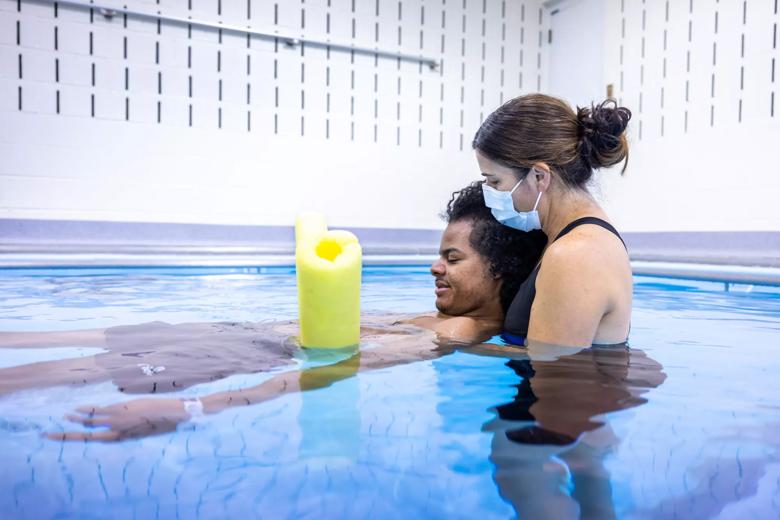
(445, 308)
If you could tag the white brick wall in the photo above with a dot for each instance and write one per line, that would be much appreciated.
(122, 147)
(705, 161)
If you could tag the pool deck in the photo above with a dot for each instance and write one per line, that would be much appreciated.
(740, 257)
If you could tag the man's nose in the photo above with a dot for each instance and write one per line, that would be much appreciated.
(437, 268)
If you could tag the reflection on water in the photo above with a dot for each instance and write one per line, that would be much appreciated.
(549, 443)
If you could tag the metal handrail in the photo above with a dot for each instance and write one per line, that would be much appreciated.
(288, 39)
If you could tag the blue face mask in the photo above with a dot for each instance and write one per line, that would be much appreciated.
(503, 209)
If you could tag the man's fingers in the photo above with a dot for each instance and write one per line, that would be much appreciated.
(89, 420)
(88, 410)
(101, 410)
(102, 436)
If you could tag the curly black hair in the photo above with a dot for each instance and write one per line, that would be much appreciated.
(511, 254)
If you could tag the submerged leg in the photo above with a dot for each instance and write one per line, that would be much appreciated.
(64, 338)
(79, 371)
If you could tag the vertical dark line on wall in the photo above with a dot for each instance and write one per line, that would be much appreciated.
(539, 51)
(327, 72)
(18, 44)
(398, 80)
(502, 52)
(774, 47)
(56, 59)
(276, 78)
(642, 67)
(441, 74)
(622, 48)
(303, 84)
(303, 93)
(663, 67)
(742, 60)
(93, 66)
(483, 45)
(462, 74)
(248, 76)
(276, 73)
(398, 105)
(688, 66)
(219, 68)
(714, 65)
(376, 72)
(420, 78)
(159, 70)
(189, 67)
(127, 69)
(522, 47)
(352, 78)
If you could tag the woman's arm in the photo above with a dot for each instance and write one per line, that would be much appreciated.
(571, 298)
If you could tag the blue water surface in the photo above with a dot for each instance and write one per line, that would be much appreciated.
(430, 439)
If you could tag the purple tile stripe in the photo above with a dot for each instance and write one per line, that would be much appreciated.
(759, 248)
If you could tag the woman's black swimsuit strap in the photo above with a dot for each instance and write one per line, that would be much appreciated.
(590, 220)
(519, 313)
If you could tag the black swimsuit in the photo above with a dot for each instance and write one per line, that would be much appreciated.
(519, 313)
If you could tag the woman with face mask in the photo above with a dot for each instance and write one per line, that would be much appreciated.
(536, 156)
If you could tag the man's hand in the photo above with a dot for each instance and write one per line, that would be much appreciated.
(129, 420)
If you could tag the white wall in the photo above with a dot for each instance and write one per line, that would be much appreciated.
(705, 162)
(576, 52)
(388, 162)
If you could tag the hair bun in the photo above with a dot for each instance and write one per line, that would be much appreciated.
(602, 139)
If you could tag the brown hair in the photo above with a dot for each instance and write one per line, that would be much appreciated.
(540, 128)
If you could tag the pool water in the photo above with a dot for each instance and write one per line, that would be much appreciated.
(686, 424)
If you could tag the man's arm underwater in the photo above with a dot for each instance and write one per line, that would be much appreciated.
(404, 342)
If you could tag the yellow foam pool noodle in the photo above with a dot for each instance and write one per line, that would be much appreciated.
(328, 267)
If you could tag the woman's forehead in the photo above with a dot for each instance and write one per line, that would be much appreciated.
(490, 167)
